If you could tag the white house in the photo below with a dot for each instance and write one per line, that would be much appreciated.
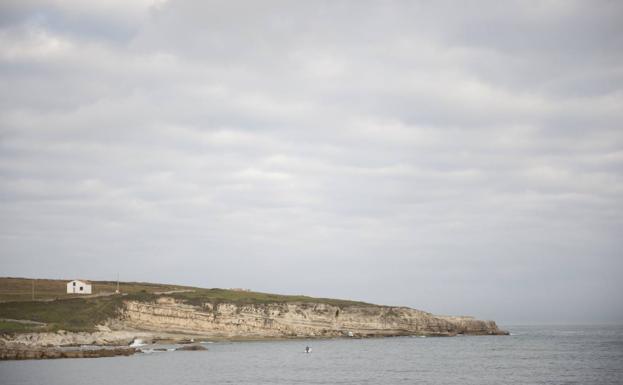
(78, 287)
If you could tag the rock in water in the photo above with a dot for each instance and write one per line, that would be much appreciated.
(192, 348)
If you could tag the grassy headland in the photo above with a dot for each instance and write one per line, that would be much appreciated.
(75, 312)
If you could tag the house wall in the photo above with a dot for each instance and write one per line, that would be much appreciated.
(71, 289)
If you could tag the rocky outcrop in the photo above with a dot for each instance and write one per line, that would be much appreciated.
(470, 325)
(30, 353)
(64, 344)
(282, 320)
(191, 348)
(62, 338)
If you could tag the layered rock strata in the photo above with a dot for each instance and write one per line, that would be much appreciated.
(283, 320)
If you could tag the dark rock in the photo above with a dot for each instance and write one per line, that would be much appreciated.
(19, 353)
(192, 348)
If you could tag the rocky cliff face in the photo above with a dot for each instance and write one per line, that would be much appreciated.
(277, 320)
(169, 321)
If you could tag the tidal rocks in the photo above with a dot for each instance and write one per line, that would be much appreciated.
(30, 353)
(63, 338)
(191, 348)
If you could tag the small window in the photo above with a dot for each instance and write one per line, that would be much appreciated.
(81, 288)
(74, 284)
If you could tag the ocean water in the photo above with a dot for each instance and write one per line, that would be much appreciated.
(531, 355)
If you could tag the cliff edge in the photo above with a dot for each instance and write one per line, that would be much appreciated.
(285, 320)
(157, 312)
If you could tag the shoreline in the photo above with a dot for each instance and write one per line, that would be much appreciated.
(14, 347)
(165, 314)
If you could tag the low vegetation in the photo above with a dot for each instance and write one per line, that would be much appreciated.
(19, 327)
(21, 289)
(73, 312)
(214, 296)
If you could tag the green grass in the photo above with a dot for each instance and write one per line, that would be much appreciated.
(20, 289)
(18, 327)
(77, 314)
(59, 310)
(201, 296)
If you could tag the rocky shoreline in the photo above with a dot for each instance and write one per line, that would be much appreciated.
(25, 352)
(36, 353)
(63, 344)
(167, 320)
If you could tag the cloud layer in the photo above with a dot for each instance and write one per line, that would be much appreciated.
(452, 157)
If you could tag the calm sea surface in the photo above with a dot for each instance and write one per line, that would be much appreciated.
(532, 355)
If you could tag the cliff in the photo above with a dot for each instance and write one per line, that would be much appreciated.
(283, 320)
(169, 314)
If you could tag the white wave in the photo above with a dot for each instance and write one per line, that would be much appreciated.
(137, 342)
(149, 351)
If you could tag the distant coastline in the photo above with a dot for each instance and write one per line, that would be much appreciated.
(53, 323)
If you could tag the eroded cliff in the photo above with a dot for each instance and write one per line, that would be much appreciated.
(282, 320)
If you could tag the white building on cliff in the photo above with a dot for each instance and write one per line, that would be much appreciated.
(78, 287)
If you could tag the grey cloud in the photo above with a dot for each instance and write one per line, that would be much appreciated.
(456, 159)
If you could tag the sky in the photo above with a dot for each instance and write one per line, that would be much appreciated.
(455, 157)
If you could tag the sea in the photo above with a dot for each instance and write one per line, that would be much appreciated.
(530, 355)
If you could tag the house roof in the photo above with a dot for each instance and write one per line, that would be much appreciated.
(80, 280)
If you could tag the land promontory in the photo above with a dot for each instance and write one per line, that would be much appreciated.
(154, 312)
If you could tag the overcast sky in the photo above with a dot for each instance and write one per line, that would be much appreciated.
(456, 157)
